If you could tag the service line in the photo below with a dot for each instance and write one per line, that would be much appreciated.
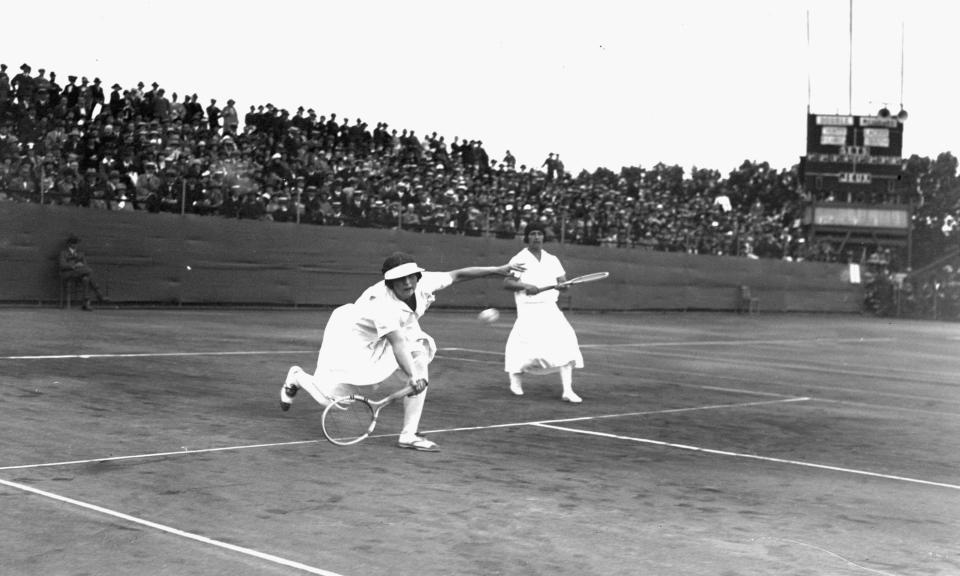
(749, 456)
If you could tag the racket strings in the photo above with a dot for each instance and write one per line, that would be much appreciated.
(347, 421)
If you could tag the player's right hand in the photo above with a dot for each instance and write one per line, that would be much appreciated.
(419, 385)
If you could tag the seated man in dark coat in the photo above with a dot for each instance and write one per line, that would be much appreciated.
(73, 266)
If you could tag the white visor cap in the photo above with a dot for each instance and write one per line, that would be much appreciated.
(402, 271)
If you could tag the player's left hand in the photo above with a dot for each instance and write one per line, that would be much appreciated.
(509, 269)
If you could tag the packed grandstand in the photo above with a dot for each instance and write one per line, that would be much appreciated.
(139, 148)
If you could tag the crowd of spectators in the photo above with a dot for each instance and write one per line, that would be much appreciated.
(932, 294)
(140, 148)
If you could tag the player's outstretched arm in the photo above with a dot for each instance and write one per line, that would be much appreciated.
(472, 272)
(404, 355)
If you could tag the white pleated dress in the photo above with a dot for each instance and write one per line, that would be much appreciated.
(354, 349)
(542, 340)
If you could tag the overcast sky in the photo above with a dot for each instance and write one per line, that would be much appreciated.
(614, 83)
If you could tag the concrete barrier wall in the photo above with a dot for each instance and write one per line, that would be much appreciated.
(172, 259)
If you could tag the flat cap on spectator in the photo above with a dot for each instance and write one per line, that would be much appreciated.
(72, 78)
(73, 239)
(25, 67)
(116, 87)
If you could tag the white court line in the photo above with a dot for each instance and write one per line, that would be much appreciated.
(750, 456)
(828, 388)
(848, 369)
(737, 342)
(171, 530)
(156, 455)
(620, 415)
(683, 343)
(153, 354)
(487, 427)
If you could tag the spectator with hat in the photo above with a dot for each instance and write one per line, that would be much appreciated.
(161, 106)
(231, 120)
(53, 92)
(213, 116)
(4, 90)
(23, 87)
(94, 98)
(116, 102)
(71, 92)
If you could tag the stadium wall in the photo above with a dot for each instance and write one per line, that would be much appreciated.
(169, 259)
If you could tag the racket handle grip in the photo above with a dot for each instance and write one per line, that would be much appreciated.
(417, 386)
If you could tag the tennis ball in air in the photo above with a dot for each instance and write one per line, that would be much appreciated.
(489, 315)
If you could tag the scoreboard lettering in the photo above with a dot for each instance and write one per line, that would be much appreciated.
(834, 120)
(854, 178)
(833, 136)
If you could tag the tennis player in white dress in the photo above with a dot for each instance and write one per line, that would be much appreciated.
(378, 338)
(541, 341)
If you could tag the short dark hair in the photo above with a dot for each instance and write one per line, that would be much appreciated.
(533, 227)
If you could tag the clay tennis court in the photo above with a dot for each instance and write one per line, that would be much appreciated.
(150, 441)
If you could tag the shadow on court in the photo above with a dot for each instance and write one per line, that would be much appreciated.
(151, 442)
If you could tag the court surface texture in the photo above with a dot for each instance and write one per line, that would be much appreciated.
(150, 441)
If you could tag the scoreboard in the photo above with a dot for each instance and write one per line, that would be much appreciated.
(853, 170)
(874, 136)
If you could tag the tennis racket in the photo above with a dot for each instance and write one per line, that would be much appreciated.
(350, 419)
(578, 280)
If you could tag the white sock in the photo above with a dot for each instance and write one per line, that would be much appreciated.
(412, 410)
(413, 405)
(566, 378)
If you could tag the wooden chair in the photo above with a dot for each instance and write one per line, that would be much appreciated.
(747, 302)
(70, 289)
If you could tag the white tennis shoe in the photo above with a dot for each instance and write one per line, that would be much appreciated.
(571, 397)
(516, 385)
(289, 388)
(415, 442)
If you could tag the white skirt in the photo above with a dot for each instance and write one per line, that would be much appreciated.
(351, 355)
(541, 341)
